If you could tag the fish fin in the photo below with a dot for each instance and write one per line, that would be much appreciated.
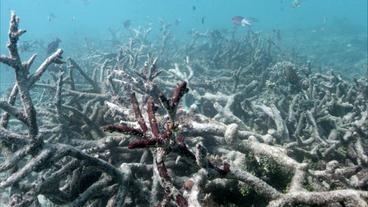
(245, 23)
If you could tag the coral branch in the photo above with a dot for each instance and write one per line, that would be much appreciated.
(32, 165)
(152, 118)
(138, 113)
(123, 128)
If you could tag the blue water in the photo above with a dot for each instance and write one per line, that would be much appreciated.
(71, 20)
(93, 17)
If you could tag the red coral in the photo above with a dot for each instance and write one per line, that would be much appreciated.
(144, 143)
(172, 104)
(138, 113)
(225, 169)
(152, 118)
(123, 128)
(181, 201)
(178, 93)
(183, 147)
(159, 139)
(162, 171)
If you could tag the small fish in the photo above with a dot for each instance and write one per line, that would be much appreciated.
(127, 23)
(53, 46)
(296, 3)
(215, 34)
(86, 2)
(242, 21)
(282, 8)
(25, 46)
(324, 20)
(277, 34)
(194, 8)
(203, 19)
(177, 22)
(51, 17)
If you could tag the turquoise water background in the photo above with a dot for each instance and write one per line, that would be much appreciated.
(92, 18)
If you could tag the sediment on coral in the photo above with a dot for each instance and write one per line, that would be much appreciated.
(223, 115)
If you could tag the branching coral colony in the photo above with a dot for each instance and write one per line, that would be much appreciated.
(284, 136)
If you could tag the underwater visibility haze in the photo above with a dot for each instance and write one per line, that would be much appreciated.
(192, 103)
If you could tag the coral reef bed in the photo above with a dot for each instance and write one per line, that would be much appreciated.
(244, 126)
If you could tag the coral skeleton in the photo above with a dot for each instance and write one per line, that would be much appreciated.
(242, 127)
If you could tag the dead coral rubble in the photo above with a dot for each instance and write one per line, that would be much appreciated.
(272, 133)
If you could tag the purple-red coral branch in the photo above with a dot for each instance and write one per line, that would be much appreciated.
(152, 118)
(181, 201)
(178, 93)
(123, 128)
(162, 171)
(170, 190)
(138, 113)
(145, 143)
(165, 102)
(183, 149)
(171, 104)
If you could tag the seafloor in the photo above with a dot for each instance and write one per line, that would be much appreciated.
(226, 118)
